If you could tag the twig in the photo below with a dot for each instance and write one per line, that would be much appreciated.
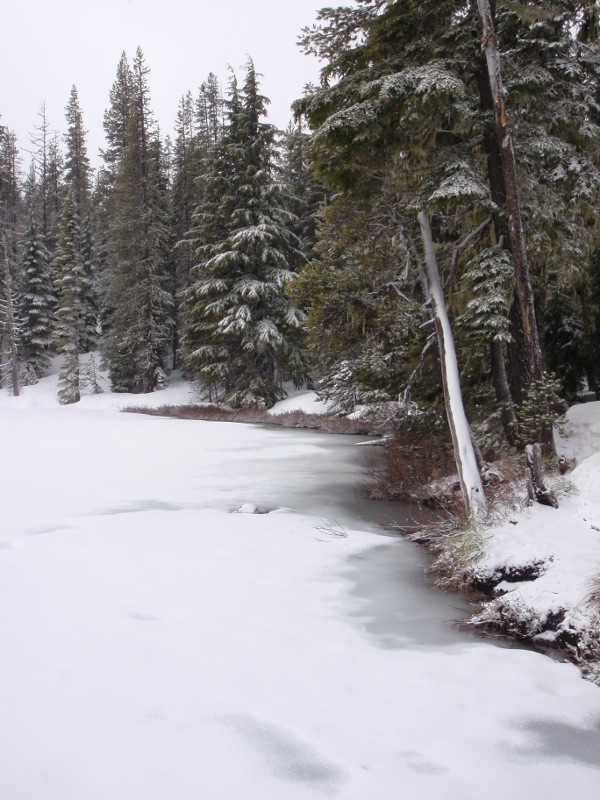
(326, 527)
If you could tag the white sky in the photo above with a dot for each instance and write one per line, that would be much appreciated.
(47, 47)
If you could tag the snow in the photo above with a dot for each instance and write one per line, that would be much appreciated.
(566, 539)
(579, 436)
(157, 645)
(304, 400)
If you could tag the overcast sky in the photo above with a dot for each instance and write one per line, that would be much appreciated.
(49, 46)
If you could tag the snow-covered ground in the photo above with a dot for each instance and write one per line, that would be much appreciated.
(157, 646)
(300, 401)
(562, 544)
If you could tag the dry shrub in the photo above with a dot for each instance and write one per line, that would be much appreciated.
(416, 467)
(508, 617)
(457, 551)
(593, 598)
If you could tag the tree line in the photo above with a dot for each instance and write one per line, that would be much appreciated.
(253, 257)
(410, 117)
(173, 254)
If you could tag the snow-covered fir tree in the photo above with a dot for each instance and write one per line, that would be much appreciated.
(404, 111)
(10, 208)
(70, 285)
(48, 161)
(77, 181)
(307, 195)
(243, 334)
(38, 300)
(138, 264)
(10, 190)
(209, 112)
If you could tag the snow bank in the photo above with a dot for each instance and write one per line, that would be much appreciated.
(44, 393)
(542, 561)
(579, 436)
(300, 401)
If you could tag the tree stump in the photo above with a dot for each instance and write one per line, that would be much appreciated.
(536, 488)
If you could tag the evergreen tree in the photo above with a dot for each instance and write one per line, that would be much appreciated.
(10, 207)
(210, 112)
(199, 126)
(243, 331)
(77, 182)
(565, 341)
(77, 164)
(139, 259)
(185, 170)
(365, 328)
(70, 314)
(38, 298)
(10, 190)
(9, 326)
(307, 194)
(404, 110)
(48, 161)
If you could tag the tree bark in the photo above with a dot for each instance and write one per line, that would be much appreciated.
(464, 454)
(509, 171)
(510, 422)
(536, 488)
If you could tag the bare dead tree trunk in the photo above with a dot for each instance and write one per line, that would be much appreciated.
(536, 487)
(464, 453)
(10, 326)
(509, 170)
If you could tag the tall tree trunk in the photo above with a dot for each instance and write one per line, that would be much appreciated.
(509, 171)
(464, 453)
(509, 385)
(502, 390)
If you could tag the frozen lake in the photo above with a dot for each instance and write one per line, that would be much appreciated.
(156, 645)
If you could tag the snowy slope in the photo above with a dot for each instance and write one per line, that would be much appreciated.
(157, 646)
(564, 542)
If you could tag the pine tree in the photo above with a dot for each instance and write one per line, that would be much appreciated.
(184, 176)
(10, 207)
(210, 112)
(77, 164)
(9, 324)
(565, 341)
(307, 194)
(185, 169)
(243, 331)
(139, 259)
(405, 110)
(77, 182)
(10, 190)
(366, 324)
(48, 161)
(70, 314)
(38, 299)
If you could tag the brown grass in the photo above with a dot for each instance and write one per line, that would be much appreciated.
(288, 419)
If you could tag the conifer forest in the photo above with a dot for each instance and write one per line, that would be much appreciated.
(251, 257)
